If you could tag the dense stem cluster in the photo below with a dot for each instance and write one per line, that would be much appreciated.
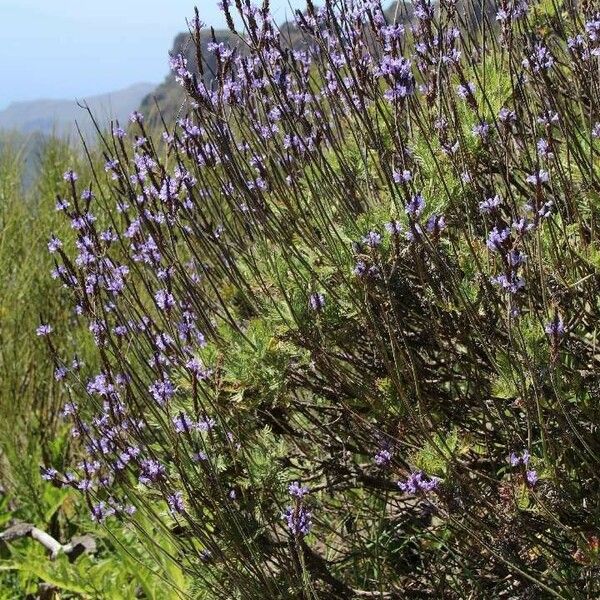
(345, 310)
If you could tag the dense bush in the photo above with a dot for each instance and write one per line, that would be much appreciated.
(346, 315)
(30, 398)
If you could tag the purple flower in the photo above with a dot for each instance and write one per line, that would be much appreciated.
(164, 300)
(544, 149)
(464, 91)
(206, 424)
(531, 476)
(436, 224)
(49, 473)
(512, 284)
(538, 178)
(516, 258)
(360, 269)
(54, 244)
(70, 175)
(60, 373)
(70, 408)
(220, 49)
(403, 177)
(415, 207)
(87, 195)
(397, 92)
(183, 423)
(481, 130)
(297, 491)
(507, 116)
(522, 226)
(111, 165)
(556, 328)
(108, 236)
(195, 366)
(61, 204)
(178, 64)
(100, 385)
(298, 520)
(101, 511)
(490, 204)
(393, 228)
(152, 471)
(317, 301)
(44, 330)
(383, 458)
(546, 210)
(175, 502)
(418, 482)
(136, 117)
(394, 67)
(414, 233)
(497, 238)
(372, 239)
(78, 223)
(548, 117)
(539, 60)
(515, 460)
(162, 390)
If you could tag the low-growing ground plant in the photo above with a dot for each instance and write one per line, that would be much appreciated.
(345, 310)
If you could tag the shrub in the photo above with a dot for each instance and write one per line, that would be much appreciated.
(346, 316)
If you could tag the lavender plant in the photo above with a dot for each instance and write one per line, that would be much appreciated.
(345, 311)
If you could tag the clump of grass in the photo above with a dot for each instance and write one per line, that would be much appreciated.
(30, 397)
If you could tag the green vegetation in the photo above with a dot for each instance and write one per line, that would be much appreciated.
(336, 329)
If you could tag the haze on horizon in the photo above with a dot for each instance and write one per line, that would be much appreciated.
(73, 49)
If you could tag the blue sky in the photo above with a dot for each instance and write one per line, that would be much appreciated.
(76, 48)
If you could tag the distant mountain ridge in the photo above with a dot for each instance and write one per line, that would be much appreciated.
(58, 117)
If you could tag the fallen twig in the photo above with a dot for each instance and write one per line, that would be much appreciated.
(73, 549)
